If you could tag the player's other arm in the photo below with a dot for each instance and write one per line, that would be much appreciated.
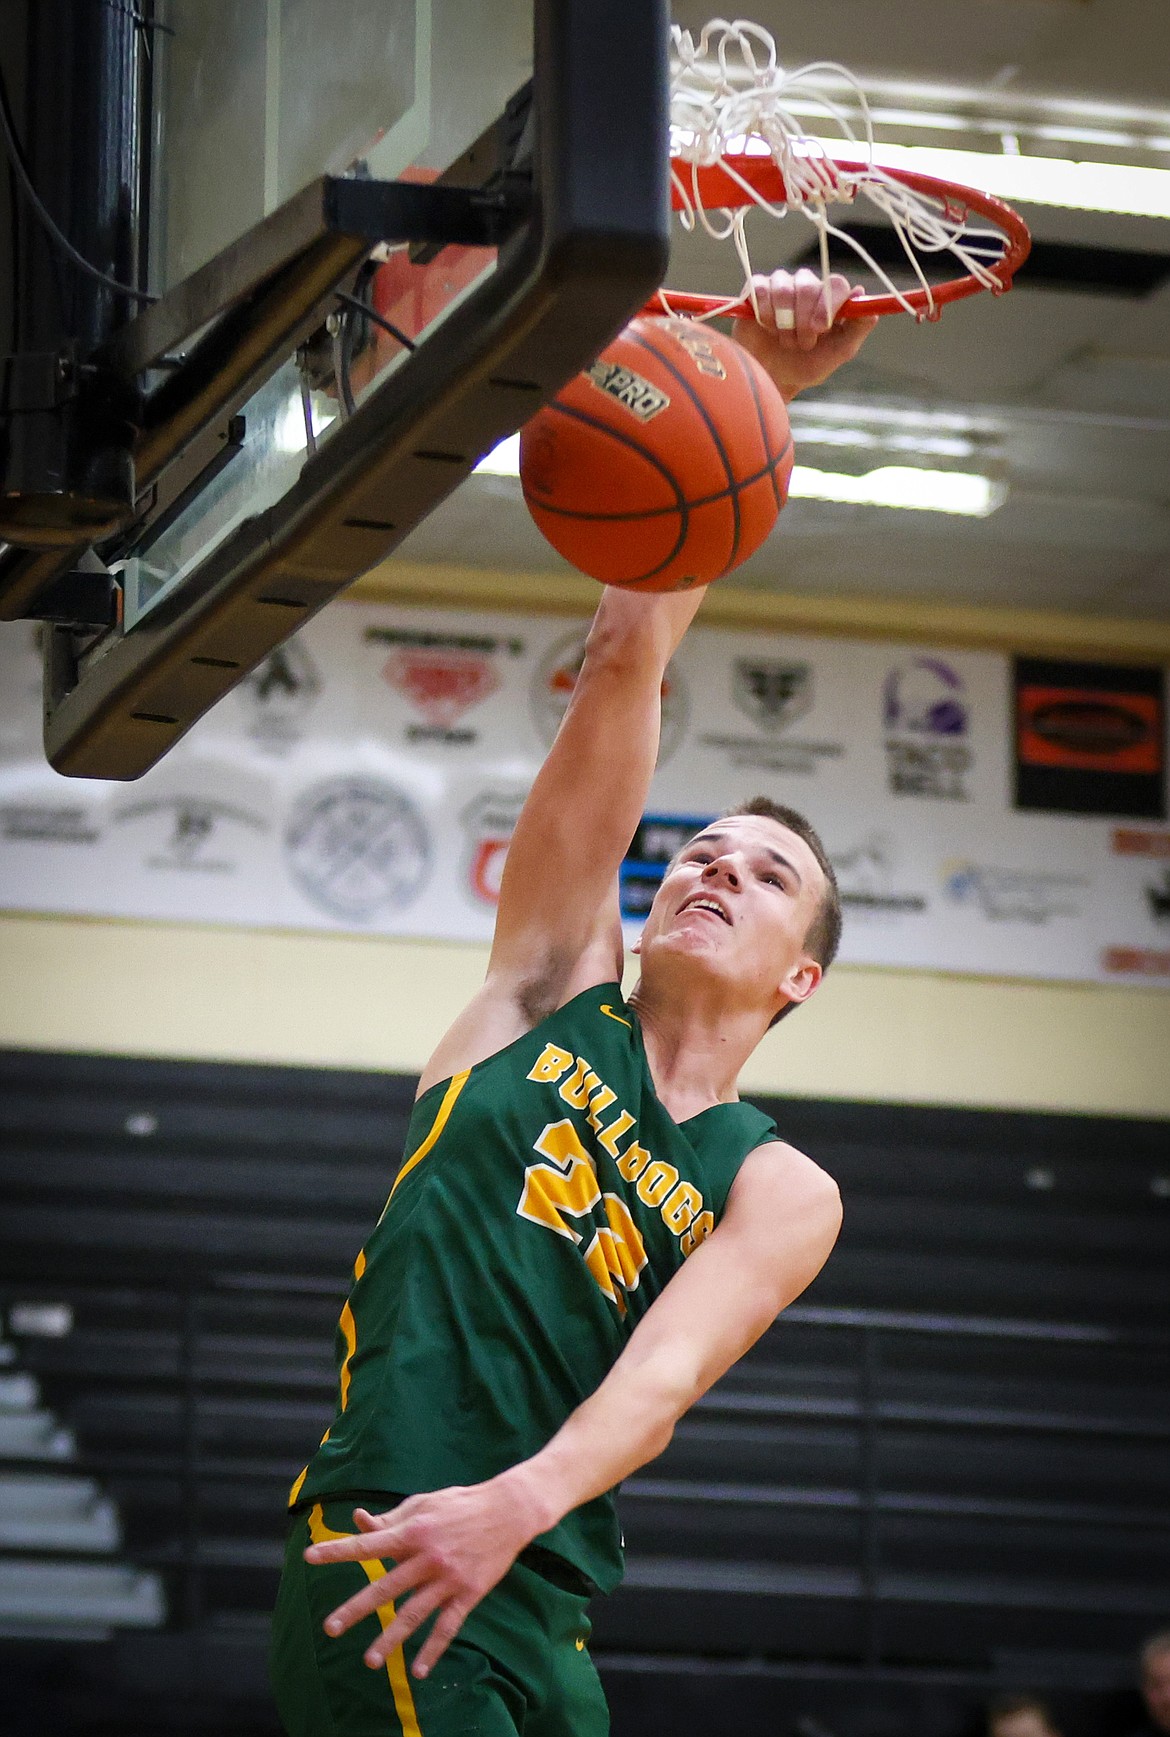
(452, 1547)
(779, 1227)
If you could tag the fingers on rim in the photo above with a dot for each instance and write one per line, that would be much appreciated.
(839, 292)
(810, 311)
(774, 298)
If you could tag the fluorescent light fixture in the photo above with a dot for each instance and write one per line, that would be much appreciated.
(867, 439)
(1127, 188)
(1119, 187)
(860, 411)
(899, 485)
(891, 485)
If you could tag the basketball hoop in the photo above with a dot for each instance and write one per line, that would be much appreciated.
(737, 145)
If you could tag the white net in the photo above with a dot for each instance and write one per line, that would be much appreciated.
(730, 95)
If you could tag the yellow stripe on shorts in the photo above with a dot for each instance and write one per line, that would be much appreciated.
(396, 1664)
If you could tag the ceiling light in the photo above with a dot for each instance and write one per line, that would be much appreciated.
(891, 485)
(926, 445)
(862, 411)
(1119, 187)
(502, 460)
(896, 485)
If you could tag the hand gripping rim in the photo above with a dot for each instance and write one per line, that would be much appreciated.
(717, 190)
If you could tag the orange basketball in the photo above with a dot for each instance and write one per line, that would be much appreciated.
(663, 465)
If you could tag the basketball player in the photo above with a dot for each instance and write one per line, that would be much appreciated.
(588, 1227)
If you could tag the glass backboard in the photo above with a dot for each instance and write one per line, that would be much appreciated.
(251, 104)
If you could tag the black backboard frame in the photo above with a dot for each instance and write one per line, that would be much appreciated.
(583, 227)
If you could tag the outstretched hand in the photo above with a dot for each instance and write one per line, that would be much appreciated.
(798, 338)
(448, 1550)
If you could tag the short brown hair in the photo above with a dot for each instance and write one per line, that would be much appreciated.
(824, 932)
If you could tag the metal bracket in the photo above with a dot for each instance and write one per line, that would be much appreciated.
(36, 380)
(79, 599)
(408, 211)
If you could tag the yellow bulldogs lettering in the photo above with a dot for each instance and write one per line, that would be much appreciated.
(618, 1255)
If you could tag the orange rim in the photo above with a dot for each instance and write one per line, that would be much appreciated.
(719, 191)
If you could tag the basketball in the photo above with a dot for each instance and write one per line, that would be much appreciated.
(664, 464)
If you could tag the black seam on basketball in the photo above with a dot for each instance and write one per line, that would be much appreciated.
(746, 369)
(712, 429)
(682, 506)
(656, 512)
(575, 415)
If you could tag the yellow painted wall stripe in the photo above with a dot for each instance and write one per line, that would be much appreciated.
(396, 1670)
(440, 1122)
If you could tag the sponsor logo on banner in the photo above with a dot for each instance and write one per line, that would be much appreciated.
(47, 823)
(1012, 895)
(556, 676)
(356, 847)
(657, 841)
(867, 877)
(1136, 961)
(489, 822)
(278, 696)
(443, 675)
(1158, 899)
(190, 834)
(1136, 841)
(926, 722)
(1090, 738)
(774, 694)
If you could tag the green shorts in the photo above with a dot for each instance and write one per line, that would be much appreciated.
(518, 1664)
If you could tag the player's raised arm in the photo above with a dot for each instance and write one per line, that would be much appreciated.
(558, 927)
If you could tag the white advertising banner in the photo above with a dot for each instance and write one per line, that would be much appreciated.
(368, 775)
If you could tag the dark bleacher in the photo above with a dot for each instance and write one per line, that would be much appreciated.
(947, 1469)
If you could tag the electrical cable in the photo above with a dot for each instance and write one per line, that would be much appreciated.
(378, 319)
(346, 324)
(56, 236)
(342, 340)
(341, 366)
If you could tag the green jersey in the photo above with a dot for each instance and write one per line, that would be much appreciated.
(545, 1200)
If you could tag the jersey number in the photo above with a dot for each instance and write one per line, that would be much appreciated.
(566, 1187)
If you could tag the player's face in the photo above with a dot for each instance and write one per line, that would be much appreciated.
(739, 899)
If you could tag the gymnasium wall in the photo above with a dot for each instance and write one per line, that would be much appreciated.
(158, 989)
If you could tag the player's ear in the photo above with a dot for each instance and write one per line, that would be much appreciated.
(637, 947)
(800, 982)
